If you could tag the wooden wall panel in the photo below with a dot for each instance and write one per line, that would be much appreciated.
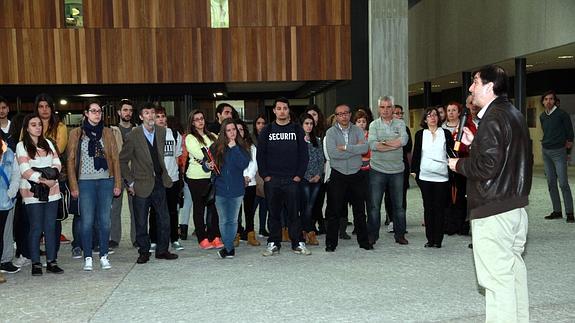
(69, 56)
(175, 13)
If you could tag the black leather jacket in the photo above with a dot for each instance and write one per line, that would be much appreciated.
(500, 164)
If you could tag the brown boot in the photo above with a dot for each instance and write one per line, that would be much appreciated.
(237, 240)
(285, 235)
(252, 240)
(2, 279)
(311, 239)
(305, 236)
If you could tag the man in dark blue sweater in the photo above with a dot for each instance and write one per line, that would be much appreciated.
(556, 143)
(282, 158)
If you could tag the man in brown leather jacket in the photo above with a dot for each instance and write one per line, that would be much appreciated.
(498, 171)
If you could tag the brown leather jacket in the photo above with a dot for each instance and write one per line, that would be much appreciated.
(499, 168)
(110, 151)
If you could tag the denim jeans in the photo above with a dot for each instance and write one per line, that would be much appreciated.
(42, 218)
(95, 203)
(228, 208)
(309, 192)
(378, 184)
(157, 199)
(283, 193)
(555, 162)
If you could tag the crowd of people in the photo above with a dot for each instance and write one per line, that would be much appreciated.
(220, 174)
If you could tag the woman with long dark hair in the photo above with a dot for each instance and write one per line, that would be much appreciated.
(94, 178)
(55, 131)
(39, 193)
(250, 172)
(198, 181)
(259, 123)
(429, 163)
(311, 182)
(231, 156)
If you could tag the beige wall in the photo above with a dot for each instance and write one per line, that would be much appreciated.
(450, 36)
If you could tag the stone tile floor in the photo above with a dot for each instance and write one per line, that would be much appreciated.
(392, 283)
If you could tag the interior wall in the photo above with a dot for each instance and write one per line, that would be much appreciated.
(450, 36)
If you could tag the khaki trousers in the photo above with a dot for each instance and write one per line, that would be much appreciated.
(498, 243)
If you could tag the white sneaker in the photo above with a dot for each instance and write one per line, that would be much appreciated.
(105, 263)
(88, 264)
(153, 247)
(177, 246)
(302, 250)
(390, 227)
(271, 250)
(22, 261)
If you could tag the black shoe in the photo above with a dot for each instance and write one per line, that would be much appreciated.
(470, 246)
(37, 269)
(9, 268)
(53, 268)
(401, 240)
(135, 245)
(166, 255)
(570, 218)
(344, 236)
(329, 249)
(113, 244)
(437, 245)
(366, 246)
(554, 215)
(224, 253)
(428, 245)
(143, 258)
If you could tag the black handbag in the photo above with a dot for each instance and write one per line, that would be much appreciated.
(210, 195)
(47, 172)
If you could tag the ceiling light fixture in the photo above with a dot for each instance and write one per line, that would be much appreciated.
(529, 65)
(565, 57)
(452, 82)
(63, 102)
(436, 85)
(218, 94)
(88, 95)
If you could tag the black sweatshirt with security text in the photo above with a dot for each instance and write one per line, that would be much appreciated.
(282, 151)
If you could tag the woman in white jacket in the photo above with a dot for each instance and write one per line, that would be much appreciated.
(249, 208)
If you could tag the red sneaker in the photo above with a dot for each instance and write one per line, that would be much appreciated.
(217, 243)
(63, 239)
(205, 244)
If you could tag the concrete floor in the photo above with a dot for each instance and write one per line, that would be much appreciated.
(392, 283)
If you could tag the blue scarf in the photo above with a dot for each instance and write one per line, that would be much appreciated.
(95, 149)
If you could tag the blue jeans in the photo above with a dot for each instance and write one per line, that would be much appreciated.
(42, 218)
(95, 203)
(309, 192)
(228, 208)
(378, 184)
(555, 162)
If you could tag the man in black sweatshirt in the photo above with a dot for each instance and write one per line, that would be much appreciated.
(282, 157)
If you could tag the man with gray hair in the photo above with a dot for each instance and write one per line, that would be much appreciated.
(386, 138)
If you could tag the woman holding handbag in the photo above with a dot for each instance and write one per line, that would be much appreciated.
(94, 178)
(231, 156)
(199, 182)
(35, 152)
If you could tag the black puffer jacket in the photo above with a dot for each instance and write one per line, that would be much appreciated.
(500, 164)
